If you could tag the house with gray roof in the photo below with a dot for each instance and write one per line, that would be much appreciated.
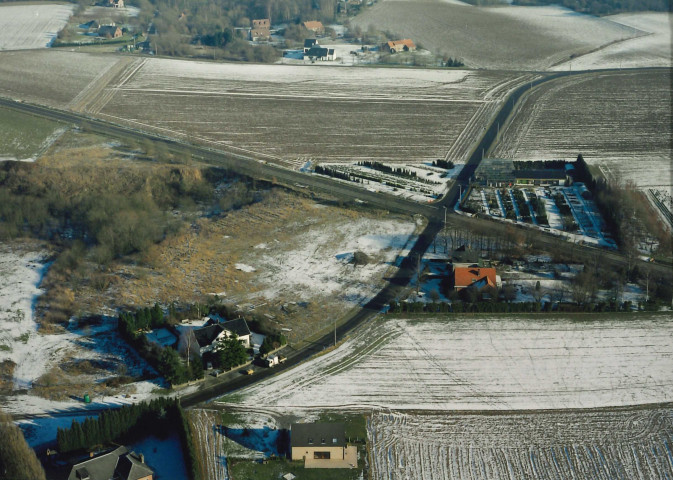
(118, 464)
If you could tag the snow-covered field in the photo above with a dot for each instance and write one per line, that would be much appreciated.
(502, 37)
(650, 50)
(629, 444)
(619, 122)
(340, 115)
(20, 275)
(482, 363)
(25, 27)
(319, 261)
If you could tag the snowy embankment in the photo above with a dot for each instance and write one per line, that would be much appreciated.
(27, 355)
(20, 277)
(24, 27)
(651, 49)
(484, 364)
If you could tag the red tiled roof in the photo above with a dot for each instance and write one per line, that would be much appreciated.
(407, 42)
(466, 276)
(313, 25)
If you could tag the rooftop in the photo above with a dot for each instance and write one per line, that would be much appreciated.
(318, 434)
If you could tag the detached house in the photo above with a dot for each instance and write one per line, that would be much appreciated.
(261, 29)
(475, 277)
(317, 52)
(315, 27)
(208, 337)
(109, 31)
(119, 464)
(322, 445)
(396, 46)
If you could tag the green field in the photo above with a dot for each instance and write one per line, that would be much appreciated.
(24, 137)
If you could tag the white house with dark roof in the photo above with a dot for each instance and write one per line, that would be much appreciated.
(208, 336)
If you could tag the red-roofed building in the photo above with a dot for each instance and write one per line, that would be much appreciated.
(477, 277)
(315, 27)
(395, 46)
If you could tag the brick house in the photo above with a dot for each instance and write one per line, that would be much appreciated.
(261, 29)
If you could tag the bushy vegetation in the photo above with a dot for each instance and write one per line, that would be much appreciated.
(272, 342)
(167, 361)
(127, 423)
(17, 459)
(448, 164)
(228, 354)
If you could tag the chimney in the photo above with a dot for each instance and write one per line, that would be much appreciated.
(142, 458)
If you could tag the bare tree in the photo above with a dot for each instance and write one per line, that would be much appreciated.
(187, 344)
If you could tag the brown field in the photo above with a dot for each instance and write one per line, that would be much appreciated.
(526, 38)
(285, 254)
(50, 77)
(633, 444)
(292, 114)
(282, 113)
(619, 121)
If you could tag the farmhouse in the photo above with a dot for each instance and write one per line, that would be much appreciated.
(109, 31)
(118, 464)
(207, 337)
(261, 29)
(115, 3)
(319, 53)
(395, 46)
(322, 445)
(498, 172)
(315, 27)
(475, 277)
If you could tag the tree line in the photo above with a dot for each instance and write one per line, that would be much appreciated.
(604, 7)
(165, 360)
(128, 423)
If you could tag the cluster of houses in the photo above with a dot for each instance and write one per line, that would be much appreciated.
(318, 445)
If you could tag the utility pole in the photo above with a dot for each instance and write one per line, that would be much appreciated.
(335, 332)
